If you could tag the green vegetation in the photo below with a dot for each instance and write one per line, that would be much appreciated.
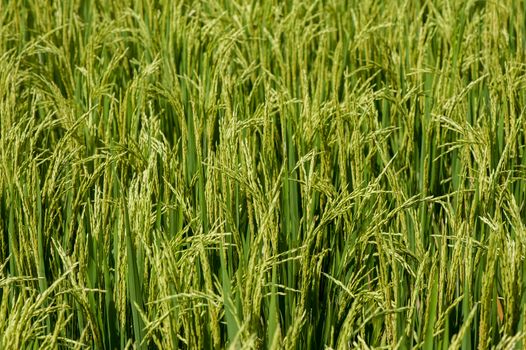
(262, 174)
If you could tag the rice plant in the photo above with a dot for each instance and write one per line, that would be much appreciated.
(263, 174)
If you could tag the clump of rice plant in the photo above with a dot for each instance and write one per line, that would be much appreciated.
(262, 174)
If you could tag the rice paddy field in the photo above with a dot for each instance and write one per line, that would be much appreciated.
(263, 174)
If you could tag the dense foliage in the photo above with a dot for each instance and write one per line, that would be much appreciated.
(262, 174)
